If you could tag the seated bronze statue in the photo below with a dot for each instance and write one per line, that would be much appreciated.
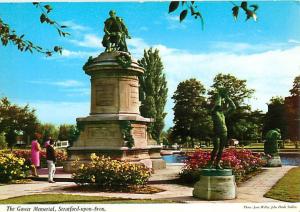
(115, 34)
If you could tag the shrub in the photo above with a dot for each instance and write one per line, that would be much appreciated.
(3, 143)
(242, 162)
(61, 156)
(110, 174)
(12, 168)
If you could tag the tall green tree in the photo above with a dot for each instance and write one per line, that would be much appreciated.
(191, 116)
(68, 132)
(3, 144)
(238, 92)
(295, 91)
(153, 91)
(48, 130)
(275, 117)
(16, 120)
(249, 126)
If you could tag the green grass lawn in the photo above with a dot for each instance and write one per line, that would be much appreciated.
(77, 199)
(287, 188)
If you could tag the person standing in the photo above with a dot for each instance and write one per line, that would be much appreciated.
(47, 142)
(35, 155)
(51, 160)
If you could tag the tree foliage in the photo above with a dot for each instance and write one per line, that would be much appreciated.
(275, 117)
(47, 130)
(190, 7)
(16, 120)
(68, 132)
(191, 116)
(3, 143)
(8, 35)
(238, 92)
(295, 91)
(153, 91)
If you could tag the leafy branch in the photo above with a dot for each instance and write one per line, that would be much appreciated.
(190, 7)
(44, 18)
(250, 13)
(8, 35)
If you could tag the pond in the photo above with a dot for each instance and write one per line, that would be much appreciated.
(286, 159)
(290, 159)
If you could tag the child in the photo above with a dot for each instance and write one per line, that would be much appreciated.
(51, 160)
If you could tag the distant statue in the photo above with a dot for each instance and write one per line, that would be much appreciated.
(115, 34)
(271, 144)
(221, 99)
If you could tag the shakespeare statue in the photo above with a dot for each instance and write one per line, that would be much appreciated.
(115, 34)
(222, 105)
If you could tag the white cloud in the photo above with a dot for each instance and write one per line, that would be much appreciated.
(68, 83)
(65, 83)
(89, 40)
(70, 87)
(77, 54)
(143, 28)
(75, 26)
(55, 112)
(270, 72)
(247, 48)
(294, 41)
(174, 23)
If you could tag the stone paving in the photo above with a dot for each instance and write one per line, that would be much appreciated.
(250, 191)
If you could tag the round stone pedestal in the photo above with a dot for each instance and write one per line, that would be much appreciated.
(274, 161)
(215, 184)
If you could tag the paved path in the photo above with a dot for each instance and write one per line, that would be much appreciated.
(250, 191)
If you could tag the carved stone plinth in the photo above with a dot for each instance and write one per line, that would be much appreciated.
(114, 99)
(215, 184)
(274, 161)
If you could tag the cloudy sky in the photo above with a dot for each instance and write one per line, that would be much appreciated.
(265, 53)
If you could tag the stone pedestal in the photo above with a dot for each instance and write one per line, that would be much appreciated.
(215, 184)
(274, 161)
(114, 99)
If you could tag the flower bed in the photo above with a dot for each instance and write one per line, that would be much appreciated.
(61, 156)
(242, 162)
(110, 174)
(12, 168)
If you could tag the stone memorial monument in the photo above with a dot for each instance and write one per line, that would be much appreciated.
(215, 182)
(271, 148)
(115, 127)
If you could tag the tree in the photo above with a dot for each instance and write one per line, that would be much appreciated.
(191, 116)
(153, 91)
(190, 6)
(48, 130)
(16, 120)
(249, 126)
(3, 144)
(238, 92)
(275, 117)
(8, 35)
(295, 91)
(68, 132)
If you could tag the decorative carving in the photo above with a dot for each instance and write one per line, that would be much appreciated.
(102, 132)
(105, 94)
(139, 132)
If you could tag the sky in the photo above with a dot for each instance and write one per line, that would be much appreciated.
(265, 53)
